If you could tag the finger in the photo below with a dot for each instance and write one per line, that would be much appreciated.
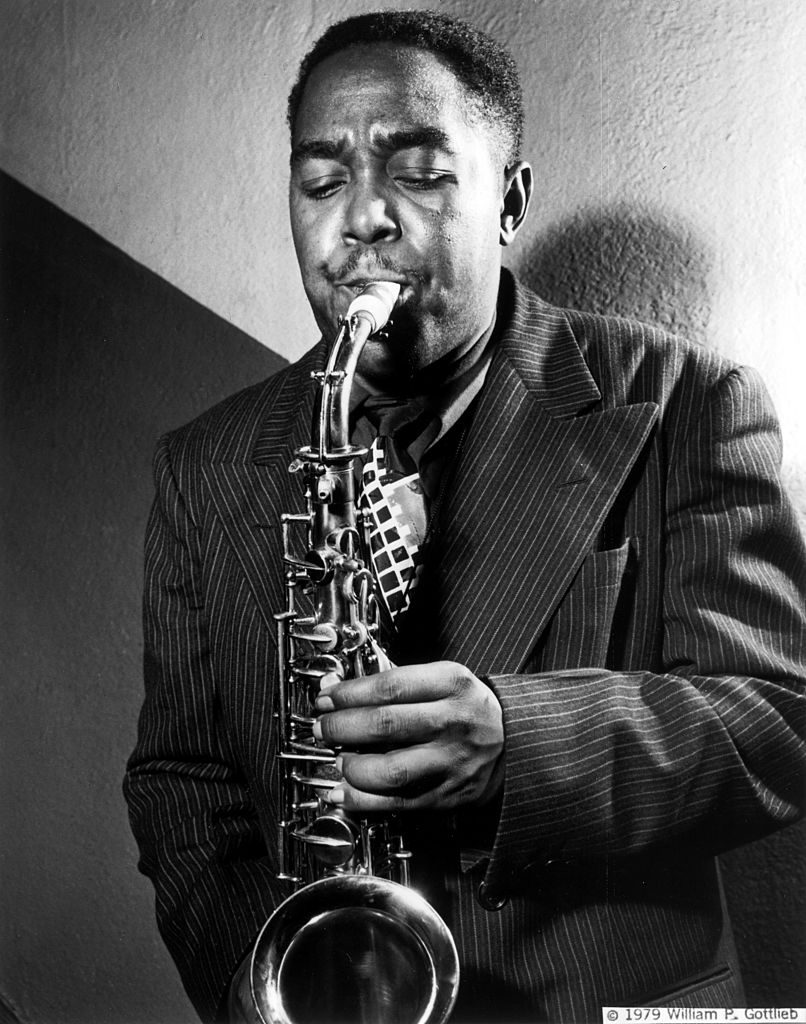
(405, 684)
(410, 772)
(329, 679)
(387, 725)
(355, 802)
(359, 801)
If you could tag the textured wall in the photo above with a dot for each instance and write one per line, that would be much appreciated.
(161, 126)
(668, 147)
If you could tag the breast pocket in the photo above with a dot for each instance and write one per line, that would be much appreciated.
(579, 632)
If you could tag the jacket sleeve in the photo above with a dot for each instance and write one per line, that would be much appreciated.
(708, 751)
(190, 810)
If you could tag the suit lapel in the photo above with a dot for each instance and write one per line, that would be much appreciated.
(532, 488)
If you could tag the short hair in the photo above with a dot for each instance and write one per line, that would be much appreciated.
(486, 70)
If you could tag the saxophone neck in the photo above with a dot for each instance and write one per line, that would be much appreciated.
(367, 314)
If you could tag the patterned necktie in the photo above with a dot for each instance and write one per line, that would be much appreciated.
(392, 497)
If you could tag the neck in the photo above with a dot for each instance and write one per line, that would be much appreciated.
(436, 376)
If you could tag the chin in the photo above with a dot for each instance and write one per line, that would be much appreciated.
(393, 361)
(381, 363)
(403, 336)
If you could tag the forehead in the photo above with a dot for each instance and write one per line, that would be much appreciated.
(380, 85)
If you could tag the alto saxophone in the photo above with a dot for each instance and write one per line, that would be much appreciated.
(353, 943)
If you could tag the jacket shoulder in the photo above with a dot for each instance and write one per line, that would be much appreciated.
(634, 362)
(629, 360)
(227, 432)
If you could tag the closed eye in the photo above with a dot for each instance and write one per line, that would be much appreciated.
(423, 181)
(321, 188)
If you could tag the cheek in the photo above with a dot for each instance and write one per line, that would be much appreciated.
(311, 227)
(448, 242)
(472, 226)
(464, 248)
(304, 238)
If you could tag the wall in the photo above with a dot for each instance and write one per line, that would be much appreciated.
(668, 148)
(161, 126)
(100, 357)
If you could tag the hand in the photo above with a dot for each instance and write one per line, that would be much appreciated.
(416, 737)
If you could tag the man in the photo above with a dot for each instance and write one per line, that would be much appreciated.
(601, 680)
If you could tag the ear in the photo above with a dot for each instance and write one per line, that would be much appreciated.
(515, 200)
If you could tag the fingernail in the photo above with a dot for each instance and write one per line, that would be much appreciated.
(328, 679)
(317, 730)
(338, 764)
(336, 796)
(324, 703)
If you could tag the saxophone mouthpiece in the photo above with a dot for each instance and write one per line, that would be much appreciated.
(375, 303)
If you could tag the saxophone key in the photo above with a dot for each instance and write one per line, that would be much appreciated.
(331, 839)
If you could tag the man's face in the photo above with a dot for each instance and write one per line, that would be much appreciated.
(394, 178)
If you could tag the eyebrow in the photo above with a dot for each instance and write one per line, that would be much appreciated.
(315, 149)
(425, 136)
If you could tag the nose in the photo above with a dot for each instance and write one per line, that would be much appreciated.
(370, 216)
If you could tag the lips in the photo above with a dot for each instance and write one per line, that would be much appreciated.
(354, 286)
(358, 284)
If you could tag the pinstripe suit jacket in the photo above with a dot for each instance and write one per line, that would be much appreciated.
(617, 560)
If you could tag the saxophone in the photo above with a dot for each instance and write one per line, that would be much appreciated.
(353, 943)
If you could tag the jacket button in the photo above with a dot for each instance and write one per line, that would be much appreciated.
(487, 900)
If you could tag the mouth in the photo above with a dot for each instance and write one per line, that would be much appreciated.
(354, 286)
(358, 284)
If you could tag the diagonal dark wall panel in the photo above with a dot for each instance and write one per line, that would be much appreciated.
(99, 357)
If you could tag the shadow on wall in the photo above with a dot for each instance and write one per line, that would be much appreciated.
(639, 263)
(627, 262)
(642, 264)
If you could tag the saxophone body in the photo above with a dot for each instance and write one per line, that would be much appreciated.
(353, 943)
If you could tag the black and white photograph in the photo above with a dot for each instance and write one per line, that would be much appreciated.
(403, 511)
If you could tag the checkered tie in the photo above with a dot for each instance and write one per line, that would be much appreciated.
(395, 552)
